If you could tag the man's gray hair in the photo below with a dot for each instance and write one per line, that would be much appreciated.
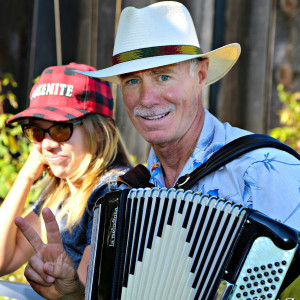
(193, 64)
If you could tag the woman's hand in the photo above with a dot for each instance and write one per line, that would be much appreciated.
(50, 271)
(34, 165)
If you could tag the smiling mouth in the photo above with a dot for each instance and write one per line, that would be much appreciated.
(155, 117)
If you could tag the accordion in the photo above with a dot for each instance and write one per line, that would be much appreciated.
(164, 243)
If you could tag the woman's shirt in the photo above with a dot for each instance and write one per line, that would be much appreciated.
(76, 241)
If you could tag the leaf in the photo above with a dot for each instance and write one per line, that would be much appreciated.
(208, 140)
(213, 192)
(13, 144)
(246, 193)
(266, 165)
(249, 181)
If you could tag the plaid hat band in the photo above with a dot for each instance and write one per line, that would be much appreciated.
(61, 95)
(155, 51)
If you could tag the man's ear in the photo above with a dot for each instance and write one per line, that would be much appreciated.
(202, 71)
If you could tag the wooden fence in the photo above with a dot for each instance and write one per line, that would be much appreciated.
(268, 32)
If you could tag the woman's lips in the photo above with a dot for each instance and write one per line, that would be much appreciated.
(55, 159)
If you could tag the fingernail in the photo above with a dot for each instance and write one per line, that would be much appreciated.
(50, 268)
(50, 279)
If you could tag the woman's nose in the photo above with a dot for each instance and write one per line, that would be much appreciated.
(48, 142)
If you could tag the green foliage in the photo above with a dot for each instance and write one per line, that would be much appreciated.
(14, 150)
(289, 117)
(6, 83)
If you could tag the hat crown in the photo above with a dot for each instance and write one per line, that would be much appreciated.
(61, 94)
(162, 34)
(161, 24)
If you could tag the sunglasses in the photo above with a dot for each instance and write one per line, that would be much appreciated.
(60, 132)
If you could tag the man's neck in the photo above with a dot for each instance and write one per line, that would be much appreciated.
(174, 156)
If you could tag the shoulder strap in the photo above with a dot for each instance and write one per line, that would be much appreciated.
(228, 153)
(138, 177)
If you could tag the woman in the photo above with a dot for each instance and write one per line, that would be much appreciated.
(69, 121)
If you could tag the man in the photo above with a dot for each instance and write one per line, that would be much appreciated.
(161, 71)
(158, 63)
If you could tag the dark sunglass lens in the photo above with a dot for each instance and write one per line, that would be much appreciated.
(61, 132)
(34, 134)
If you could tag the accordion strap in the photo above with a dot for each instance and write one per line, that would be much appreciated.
(229, 152)
(139, 176)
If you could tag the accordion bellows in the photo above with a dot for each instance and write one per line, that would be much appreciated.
(174, 244)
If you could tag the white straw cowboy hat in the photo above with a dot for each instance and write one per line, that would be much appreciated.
(161, 34)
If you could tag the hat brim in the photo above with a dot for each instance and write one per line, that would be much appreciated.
(221, 60)
(60, 114)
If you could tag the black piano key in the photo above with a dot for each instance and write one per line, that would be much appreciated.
(187, 215)
(154, 220)
(137, 236)
(182, 203)
(130, 241)
(172, 211)
(163, 217)
(145, 229)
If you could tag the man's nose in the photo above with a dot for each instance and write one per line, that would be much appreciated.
(148, 94)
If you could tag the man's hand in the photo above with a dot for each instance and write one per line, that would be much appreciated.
(50, 271)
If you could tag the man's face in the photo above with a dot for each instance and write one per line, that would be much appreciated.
(163, 103)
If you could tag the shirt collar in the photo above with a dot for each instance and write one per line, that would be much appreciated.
(208, 143)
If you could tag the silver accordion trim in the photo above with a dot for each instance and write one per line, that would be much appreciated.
(174, 244)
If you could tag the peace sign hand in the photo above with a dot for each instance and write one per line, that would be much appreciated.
(50, 271)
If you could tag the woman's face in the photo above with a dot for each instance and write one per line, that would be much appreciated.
(64, 158)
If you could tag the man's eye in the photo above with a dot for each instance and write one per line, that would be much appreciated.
(164, 77)
(133, 81)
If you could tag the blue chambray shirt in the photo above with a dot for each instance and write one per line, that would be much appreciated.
(265, 179)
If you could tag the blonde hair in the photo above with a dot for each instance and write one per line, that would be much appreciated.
(105, 148)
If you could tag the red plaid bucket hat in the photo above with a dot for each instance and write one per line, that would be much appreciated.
(62, 95)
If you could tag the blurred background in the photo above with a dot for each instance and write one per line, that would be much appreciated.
(35, 34)
(260, 94)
